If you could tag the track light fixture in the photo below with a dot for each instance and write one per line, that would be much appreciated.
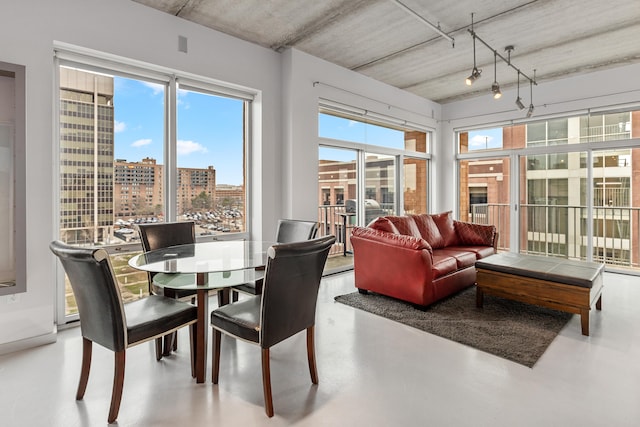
(530, 111)
(495, 87)
(475, 73)
(519, 102)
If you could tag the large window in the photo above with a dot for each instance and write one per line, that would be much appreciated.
(123, 161)
(576, 185)
(368, 168)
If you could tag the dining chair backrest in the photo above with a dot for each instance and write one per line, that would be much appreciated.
(96, 292)
(292, 230)
(163, 234)
(290, 291)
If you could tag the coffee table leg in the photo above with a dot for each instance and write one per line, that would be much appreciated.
(479, 297)
(584, 320)
(201, 329)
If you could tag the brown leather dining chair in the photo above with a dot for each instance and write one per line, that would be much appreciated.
(107, 321)
(288, 231)
(161, 235)
(287, 306)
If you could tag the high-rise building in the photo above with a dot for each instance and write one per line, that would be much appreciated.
(86, 156)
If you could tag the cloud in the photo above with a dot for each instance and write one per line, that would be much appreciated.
(187, 147)
(141, 142)
(157, 88)
(119, 126)
(480, 141)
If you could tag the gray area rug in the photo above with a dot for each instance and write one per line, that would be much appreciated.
(509, 329)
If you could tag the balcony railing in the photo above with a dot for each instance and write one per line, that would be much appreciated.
(562, 231)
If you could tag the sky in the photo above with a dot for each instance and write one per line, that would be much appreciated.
(209, 128)
(351, 130)
(485, 139)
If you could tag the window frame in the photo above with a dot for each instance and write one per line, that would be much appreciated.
(103, 63)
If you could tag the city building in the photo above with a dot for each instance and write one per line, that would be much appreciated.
(86, 156)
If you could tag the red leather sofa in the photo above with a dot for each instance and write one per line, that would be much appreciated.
(419, 258)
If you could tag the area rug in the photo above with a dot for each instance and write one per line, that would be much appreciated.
(515, 331)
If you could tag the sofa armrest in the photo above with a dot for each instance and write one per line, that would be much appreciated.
(476, 234)
(392, 264)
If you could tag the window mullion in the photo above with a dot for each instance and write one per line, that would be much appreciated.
(170, 150)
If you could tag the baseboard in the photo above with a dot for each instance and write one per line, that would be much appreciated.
(27, 343)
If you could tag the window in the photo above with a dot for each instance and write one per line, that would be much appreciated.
(368, 167)
(561, 211)
(121, 164)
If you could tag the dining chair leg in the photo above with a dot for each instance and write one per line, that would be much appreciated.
(215, 361)
(158, 348)
(118, 381)
(87, 346)
(266, 383)
(311, 355)
(175, 341)
(192, 345)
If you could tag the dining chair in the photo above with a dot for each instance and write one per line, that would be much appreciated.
(161, 235)
(107, 321)
(288, 231)
(287, 306)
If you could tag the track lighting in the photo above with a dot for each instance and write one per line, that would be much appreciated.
(495, 87)
(519, 102)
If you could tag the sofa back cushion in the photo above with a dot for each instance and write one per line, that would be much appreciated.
(405, 225)
(396, 240)
(383, 224)
(444, 222)
(429, 230)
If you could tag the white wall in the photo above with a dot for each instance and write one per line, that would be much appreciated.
(598, 90)
(28, 30)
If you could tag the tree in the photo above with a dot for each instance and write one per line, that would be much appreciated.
(201, 202)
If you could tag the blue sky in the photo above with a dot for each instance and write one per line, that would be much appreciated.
(485, 139)
(209, 128)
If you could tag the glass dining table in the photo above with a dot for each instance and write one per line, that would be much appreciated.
(202, 267)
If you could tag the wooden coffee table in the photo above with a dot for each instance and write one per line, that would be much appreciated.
(557, 283)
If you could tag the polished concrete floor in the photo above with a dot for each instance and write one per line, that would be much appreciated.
(373, 372)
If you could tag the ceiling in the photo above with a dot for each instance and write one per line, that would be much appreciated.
(389, 40)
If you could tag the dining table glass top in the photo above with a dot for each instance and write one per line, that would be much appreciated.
(204, 257)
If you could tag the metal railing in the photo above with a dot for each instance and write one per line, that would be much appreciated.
(562, 231)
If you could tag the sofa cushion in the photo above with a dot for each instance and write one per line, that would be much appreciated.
(480, 251)
(444, 222)
(429, 230)
(474, 234)
(383, 224)
(463, 259)
(405, 225)
(443, 264)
